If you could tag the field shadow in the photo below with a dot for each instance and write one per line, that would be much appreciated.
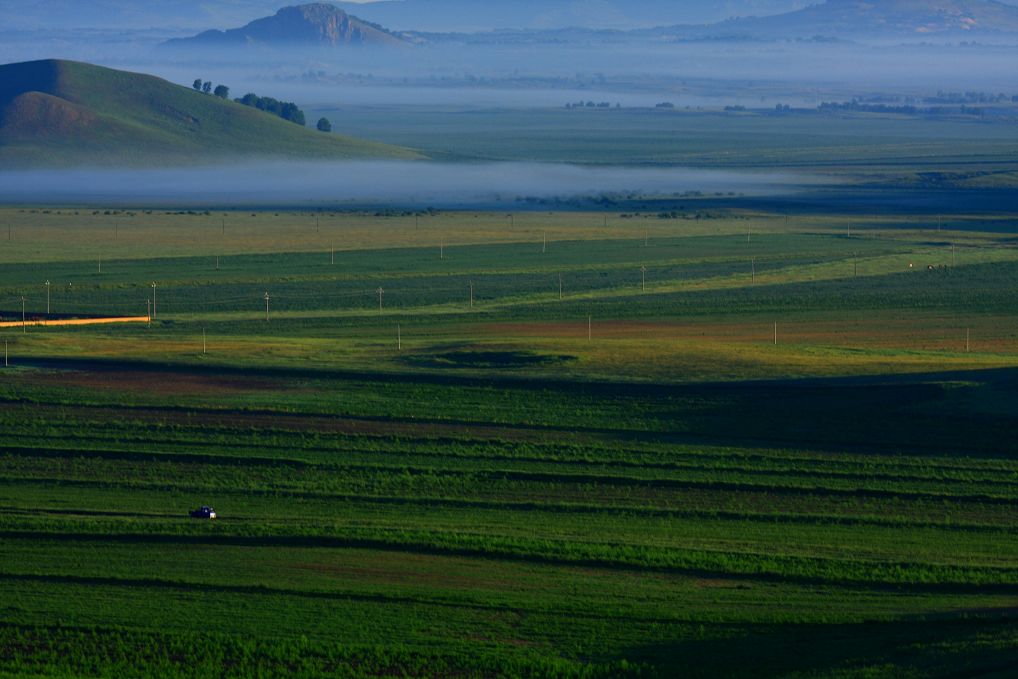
(984, 647)
(936, 413)
(490, 360)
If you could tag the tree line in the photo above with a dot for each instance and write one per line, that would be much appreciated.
(287, 110)
(221, 91)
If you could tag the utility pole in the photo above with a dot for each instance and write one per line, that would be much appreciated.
(560, 287)
(5, 354)
(643, 278)
(24, 324)
(471, 294)
(100, 263)
(752, 262)
(266, 306)
(316, 223)
(441, 248)
(153, 301)
(203, 346)
(952, 255)
(47, 298)
(332, 252)
(380, 292)
(588, 328)
(148, 311)
(646, 236)
(399, 339)
(775, 334)
(855, 263)
(544, 243)
(967, 337)
(224, 225)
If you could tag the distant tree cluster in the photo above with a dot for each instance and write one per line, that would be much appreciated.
(590, 104)
(907, 109)
(324, 125)
(971, 98)
(284, 109)
(205, 87)
(856, 105)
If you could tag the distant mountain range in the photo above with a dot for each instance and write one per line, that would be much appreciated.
(315, 24)
(867, 18)
(61, 113)
(323, 24)
(858, 20)
(486, 15)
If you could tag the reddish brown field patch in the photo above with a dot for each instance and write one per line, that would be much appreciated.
(152, 382)
(720, 583)
(270, 421)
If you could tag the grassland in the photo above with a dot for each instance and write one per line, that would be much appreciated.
(876, 149)
(485, 477)
(57, 113)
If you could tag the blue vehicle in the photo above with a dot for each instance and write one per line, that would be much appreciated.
(203, 512)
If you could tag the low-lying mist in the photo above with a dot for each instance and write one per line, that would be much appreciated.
(402, 183)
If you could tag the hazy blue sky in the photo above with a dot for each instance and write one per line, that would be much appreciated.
(405, 15)
(428, 15)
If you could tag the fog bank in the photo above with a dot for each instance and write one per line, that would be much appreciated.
(403, 183)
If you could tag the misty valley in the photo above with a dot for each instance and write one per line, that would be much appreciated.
(444, 338)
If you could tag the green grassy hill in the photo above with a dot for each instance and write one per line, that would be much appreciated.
(55, 113)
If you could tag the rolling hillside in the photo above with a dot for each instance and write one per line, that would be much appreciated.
(59, 113)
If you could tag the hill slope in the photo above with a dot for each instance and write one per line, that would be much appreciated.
(851, 18)
(70, 113)
(317, 24)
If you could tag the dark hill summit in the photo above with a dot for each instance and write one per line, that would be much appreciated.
(314, 25)
(56, 113)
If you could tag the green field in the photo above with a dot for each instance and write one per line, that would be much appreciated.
(898, 150)
(564, 444)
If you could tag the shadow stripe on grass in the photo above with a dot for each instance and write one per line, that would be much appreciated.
(910, 576)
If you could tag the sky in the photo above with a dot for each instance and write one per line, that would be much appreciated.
(424, 15)
(432, 15)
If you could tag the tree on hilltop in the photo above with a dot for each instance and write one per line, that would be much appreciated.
(283, 109)
(324, 125)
